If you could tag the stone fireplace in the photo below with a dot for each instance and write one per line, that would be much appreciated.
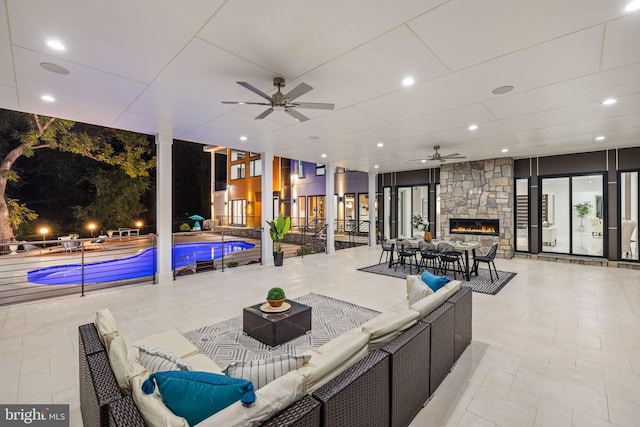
(478, 191)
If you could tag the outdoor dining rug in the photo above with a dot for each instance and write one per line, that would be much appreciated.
(225, 342)
(481, 283)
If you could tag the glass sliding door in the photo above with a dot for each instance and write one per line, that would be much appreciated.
(588, 215)
(573, 215)
(522, 214)
(629, 203)
(556, 215)
(386, 212)
(349, 211)
(302, 210)
(363, 212)
(404, 212)
(316, 210)
(420, 206)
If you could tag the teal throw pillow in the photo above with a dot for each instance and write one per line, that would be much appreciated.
(195, 395)
(433, 281)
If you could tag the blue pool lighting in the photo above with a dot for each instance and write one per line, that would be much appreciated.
(139, 265)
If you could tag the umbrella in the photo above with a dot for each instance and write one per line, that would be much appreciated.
(196, 218)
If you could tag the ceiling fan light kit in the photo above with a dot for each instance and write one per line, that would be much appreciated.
(283, 102)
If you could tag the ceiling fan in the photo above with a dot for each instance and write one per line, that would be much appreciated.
(437, 157)
(280, 101)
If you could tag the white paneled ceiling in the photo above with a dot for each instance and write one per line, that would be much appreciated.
(153, 65)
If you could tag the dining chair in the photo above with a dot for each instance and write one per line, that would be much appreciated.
(429, 255)
(488, 259)
(450, 259)
(406, 254)
(387, 247)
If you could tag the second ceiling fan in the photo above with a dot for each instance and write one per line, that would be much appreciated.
(281, 101)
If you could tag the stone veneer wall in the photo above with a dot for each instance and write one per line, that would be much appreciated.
(480, 189)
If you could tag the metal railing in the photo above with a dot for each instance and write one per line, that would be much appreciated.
(49, 268)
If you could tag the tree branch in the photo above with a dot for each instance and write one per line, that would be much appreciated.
(42, 128)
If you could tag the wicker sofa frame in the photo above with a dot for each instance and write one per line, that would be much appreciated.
(386, 388)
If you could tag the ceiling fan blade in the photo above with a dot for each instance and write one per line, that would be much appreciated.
(450, 155)
(316, 105)
(296, 115)
(265, 113)
(247, 103)
(255, 90)
(453, 156)
(298, 91)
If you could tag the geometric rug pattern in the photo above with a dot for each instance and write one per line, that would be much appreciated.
(481, 283)
(224, 342)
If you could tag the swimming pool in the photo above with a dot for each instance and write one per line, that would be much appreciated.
(139, 265)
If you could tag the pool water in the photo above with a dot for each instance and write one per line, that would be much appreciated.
(139, 265)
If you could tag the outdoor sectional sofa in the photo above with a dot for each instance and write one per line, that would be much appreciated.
(380, 374)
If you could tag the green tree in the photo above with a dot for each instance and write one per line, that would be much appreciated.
(19, 214)
(24, 134)
(117, 199)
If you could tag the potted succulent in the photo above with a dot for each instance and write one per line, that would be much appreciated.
(275, 297)
(278, 228)
(419, 223)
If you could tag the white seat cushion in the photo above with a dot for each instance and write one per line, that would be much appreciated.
(125, 362)
(172, 340)
(337, 355)
(201, 362)
(152, 408)
(428, 304)
(386, 326)
(270, 399)
(107, 326)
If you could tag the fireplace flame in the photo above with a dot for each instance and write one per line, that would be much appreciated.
(483, 229)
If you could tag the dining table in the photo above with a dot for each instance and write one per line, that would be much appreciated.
(462, 246)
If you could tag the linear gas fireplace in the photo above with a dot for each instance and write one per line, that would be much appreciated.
(484, 227)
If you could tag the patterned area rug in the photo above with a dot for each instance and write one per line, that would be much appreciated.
(225, 342)
(481, 283)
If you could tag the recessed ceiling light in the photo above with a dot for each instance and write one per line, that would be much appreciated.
(505, 150)
(502, 90)
(376, 166)
(55, 44)
(380, 144)
(423, 161)
(599, 138)
(633, 6)
(243, 138)
(609, 101)
(54, 68)
(324, 155)
(47, 98)
(473, 127)
(408, 81)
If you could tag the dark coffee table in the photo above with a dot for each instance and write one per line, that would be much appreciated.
(276, 328)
